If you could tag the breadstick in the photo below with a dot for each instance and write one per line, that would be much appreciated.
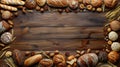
(13, 2)
(8, 7)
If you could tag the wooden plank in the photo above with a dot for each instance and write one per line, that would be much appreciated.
(55, 19)
(44, 30)
(63, 36)
(60, 32)
(97, 36)
(58, 44)
(51, 31)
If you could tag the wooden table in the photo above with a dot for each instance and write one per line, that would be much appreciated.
(54, 31)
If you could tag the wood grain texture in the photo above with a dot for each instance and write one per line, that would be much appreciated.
(54, 31)
(61, 44)
(36, 19)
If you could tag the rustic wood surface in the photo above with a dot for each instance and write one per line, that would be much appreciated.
(54, 31)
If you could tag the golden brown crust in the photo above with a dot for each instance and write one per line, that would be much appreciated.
(86, 2)
(41, 2)
(113, 56)
(32, 60)
(6, 15)
(7, 7)
(6, 25)
(96, 3)
(31, 4)
(89, 59)
(73, 4)
(13, 2)
(59, 60)
(18, 57)
(115, 25)
(110, 3)
(57, 3)
(46, 62)
(70, 57)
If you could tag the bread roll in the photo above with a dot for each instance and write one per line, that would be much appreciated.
(41, 2)
(32, 60)
(73, 4)
(87, 60)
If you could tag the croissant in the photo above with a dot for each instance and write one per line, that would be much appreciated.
(87, 60)
(13, 2)
(41, 2)
(57, 3)
(8, 7)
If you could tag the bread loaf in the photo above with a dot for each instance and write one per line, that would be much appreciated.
(57, 3)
